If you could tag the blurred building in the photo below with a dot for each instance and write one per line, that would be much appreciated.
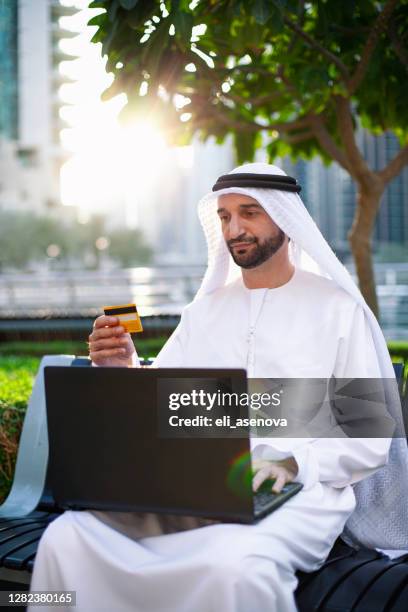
(30, 151)
(168, 218)
(330, 194)
(323, 192)
(8, 70)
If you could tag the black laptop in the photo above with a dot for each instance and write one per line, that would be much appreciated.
(112, 448)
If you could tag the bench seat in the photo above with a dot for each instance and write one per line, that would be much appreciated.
(19, 539)
(355, 581)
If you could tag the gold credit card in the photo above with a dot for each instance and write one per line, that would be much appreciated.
(127, 315)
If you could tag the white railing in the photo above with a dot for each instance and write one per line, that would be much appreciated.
(158, 290)
(155, 290)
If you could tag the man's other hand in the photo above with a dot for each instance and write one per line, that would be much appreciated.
(281, 472)
(109, 344)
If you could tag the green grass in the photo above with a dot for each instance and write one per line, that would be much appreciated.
(16, 381)
(38, 349)
(398, 349)
(146, 347)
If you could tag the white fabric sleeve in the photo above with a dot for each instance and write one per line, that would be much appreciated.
(173, 353)
(338, 461)
(135, 361)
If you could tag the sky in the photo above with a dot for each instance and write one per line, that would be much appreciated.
(105, 158)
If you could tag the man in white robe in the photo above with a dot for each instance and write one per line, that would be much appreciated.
(275, 320)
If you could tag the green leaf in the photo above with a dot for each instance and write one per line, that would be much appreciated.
(107, 42)
(112, 10)
(153, 50)
(181, 5)
(98, 20)
(237, 8)
(262, 10)
(236, 28)
(128, 4)
(280, 4)
(183, 23)
(245, 146)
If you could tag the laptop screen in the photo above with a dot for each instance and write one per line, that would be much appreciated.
(118, 441)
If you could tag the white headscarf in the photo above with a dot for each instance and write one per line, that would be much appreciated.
(380, 519)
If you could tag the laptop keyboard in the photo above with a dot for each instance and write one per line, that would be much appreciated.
(263, 499)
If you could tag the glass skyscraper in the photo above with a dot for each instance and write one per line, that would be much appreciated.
(8, 69)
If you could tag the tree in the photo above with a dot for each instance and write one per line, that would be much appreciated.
(306, 75)
(129, 247)
(25, 238)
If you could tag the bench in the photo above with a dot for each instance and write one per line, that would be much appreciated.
(350, 580)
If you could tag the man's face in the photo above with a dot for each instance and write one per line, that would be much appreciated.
(250, 234)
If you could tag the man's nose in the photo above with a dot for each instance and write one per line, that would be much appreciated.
(235, 228)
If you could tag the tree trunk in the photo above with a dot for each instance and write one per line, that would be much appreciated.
(368, 202)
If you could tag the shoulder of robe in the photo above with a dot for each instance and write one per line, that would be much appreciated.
(323, 287)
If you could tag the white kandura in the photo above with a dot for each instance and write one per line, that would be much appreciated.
(317, 325)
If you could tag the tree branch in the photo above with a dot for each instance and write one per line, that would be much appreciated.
(254, 126)
(394, 167)
(327, 143)
(232, 124)
(300, 23)
(289, 85)
(300, 137)
(401, 52)
(261, 100)
(254, 102)
(316, 45)
(296, 124)
(241, 68)
(358, 165)
(244, 125)
(378, 28)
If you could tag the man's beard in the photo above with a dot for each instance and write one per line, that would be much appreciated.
(258, 254)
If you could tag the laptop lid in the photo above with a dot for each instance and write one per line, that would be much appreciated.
(108, 449)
